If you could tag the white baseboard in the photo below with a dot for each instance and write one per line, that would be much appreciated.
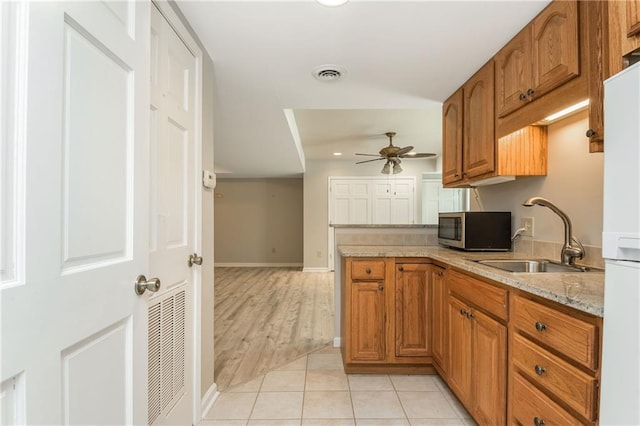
(314, 269)
(256, 265)
(208, 399)
(336, 342)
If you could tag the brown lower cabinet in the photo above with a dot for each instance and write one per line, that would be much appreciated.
(386, 316)
(409, 315)
(477, 352)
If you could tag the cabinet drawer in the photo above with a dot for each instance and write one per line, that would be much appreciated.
(487, 297)
(532, 407)
(367, 269)
(573, 387)
(572, 337)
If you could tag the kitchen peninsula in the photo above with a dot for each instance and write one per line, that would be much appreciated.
(528, 344)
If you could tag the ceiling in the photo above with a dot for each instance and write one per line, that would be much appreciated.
(401, 60)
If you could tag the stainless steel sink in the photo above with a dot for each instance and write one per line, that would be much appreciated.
(530, 265)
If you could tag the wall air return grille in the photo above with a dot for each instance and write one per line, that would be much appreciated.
(166, 352)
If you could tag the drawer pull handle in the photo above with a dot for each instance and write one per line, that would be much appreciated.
(540, 370)
(380, 287)
(537, 421)
(541, 326)
(368, 270)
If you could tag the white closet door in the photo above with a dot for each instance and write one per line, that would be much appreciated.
(174, 185)
(75, 96)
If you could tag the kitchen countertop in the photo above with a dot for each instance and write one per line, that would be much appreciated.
(581, 290)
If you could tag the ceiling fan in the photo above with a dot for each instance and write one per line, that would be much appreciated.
(393, 154)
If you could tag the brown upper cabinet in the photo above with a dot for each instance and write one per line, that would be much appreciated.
(468, 142)
(478, 148)
(633, 17)
(542, 57)
(452, 120)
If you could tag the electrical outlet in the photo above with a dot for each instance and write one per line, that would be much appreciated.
(527, 224)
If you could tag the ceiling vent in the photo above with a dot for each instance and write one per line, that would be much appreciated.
(328, 73)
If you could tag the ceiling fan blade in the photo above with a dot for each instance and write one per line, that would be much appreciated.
(367, 161)
(404, 150)
(370, 155)
(418, 155)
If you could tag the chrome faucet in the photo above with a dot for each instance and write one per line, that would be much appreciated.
(569, 251)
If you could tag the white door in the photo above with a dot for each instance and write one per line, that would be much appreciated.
(173, 227)
(75, 96)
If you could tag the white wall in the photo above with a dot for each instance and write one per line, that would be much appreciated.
(574, 183)
(316, 206)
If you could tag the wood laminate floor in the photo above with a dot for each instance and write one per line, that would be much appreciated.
(265, 318)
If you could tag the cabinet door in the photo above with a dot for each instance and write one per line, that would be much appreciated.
(452, 120)
(479, 138)
(413, 310)
(439, 317)
(513, 73)
(368, 308)
(490, 370)
(459, 350)
(633, 17)
(555, 46)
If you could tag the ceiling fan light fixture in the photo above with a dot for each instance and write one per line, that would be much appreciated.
(396, 168)
(332, 3)
(386, 169)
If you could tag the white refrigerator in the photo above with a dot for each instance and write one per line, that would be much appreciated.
(620, 387)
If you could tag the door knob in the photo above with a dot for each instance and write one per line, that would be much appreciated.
(194, 259)
(142, 284)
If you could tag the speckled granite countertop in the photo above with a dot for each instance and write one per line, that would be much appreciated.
(580, 290)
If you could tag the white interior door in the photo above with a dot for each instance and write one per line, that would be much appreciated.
(173, 227)
(75, 79)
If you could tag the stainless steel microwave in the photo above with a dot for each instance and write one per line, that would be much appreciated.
(475, 231)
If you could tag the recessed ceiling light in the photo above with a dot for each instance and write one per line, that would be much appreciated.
(332, 3)
(337, 154)
(328, 73)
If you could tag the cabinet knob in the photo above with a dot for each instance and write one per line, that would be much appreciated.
(456, 175)
(530, 92)
(522, 97)
(539, 370)
(591, 133)
(400, 269)
(463, 312)
(368, 270)
(541, 326)
(470, 315)
(380, 287)
(537, 421)
(440, 273)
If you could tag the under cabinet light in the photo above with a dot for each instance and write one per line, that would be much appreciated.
(566, 111)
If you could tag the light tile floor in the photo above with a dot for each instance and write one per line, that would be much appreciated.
(315, 391)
